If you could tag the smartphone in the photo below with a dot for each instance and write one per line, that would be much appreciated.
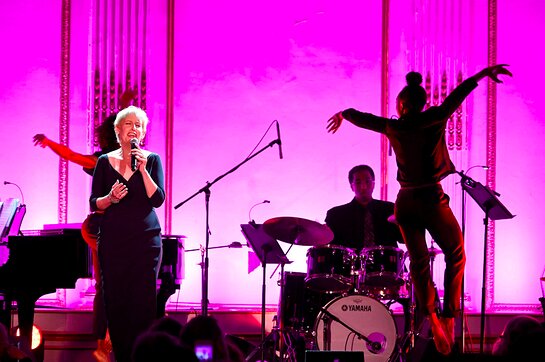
(204, 350)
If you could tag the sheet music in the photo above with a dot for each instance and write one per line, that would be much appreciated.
(7, 213)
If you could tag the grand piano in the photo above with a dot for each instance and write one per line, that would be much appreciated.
(42, 261)
(38, 264)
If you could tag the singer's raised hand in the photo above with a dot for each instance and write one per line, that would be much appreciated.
(141, 158)
(119, 191)
(335, 122)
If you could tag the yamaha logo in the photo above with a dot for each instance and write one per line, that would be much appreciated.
(355, 308)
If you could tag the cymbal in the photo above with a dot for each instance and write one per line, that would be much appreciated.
(298, 231)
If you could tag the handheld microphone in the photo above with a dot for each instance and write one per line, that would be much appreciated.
(279, 140)
(134, 143)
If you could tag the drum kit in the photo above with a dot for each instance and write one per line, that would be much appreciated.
(342, 302)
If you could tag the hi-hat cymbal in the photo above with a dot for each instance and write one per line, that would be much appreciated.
(298, 231)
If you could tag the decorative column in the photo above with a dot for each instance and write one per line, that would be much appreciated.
(64, 114)
(491, 150)
(169, 116)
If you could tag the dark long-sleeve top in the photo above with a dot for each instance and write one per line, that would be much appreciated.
(135, 213)
(347, 223)
(97, 154)
(418, 141)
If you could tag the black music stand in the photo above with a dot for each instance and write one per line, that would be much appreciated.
(487, 200)
(269, 252)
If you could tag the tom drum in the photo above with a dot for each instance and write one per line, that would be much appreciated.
(330, 268)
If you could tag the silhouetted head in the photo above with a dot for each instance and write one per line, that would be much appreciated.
(522, 337)
(412, 98)
(205, 330)
(161, 346)
(167, 324)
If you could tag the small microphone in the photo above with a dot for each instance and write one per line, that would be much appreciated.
(134, 143)
(484, 167)
(252, 222)
(20, 191)
(279, 140)
(376, 346)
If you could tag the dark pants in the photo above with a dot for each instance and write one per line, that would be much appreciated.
(89, 231)
(427, 208)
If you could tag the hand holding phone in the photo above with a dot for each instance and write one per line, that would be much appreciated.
(204, 350)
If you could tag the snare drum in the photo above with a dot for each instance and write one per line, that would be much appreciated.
(330, 268)
(383, 266)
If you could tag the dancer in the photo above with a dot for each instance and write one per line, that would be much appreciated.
(418, 140)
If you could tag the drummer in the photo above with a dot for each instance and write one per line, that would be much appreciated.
(364, 222)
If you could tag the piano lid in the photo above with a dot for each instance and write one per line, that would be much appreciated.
(76, 225)
(55, 229)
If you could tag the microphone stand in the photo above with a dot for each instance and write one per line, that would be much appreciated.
(374, 345)
(494, 210)
(206, 190)
(234, 244)
(462, 301)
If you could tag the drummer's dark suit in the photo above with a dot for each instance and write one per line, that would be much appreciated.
(347, 223)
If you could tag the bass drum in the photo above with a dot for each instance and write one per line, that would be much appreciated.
(363, 317)
(299, 305)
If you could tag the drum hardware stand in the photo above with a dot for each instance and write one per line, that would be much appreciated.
(327, 333)
(206, 190)
(268, 251)
(295, 231)
(406, 342)
(433, 251)
(488, 201)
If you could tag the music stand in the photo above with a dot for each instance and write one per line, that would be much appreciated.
(269, 252)
(493, 208)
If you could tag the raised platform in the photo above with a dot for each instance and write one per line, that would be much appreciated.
(68, 331)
